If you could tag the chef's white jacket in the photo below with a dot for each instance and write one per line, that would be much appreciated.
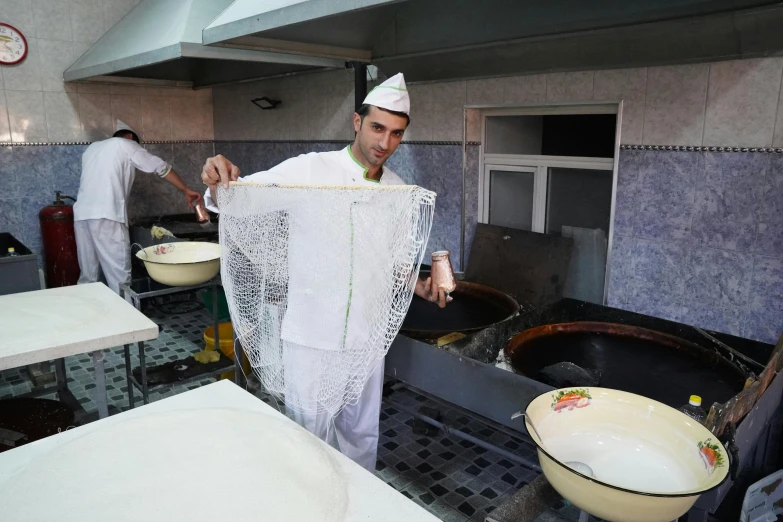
(108, 170)
(314, 318)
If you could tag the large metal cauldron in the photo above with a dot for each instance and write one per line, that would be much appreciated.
(474, 308)
(660, 366)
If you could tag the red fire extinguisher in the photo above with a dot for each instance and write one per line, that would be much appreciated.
(59, 243)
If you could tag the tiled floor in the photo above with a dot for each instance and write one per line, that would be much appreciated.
(454, 479)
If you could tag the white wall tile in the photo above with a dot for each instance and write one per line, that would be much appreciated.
(297, 111)
(742, 99)
(126, 89)
(339, 106)
(79, 48)
(156, 118)
(629, 85)
(473, 124)
(87, 20)
(422, 109)
(26, 116)
(95, 116)
(570, 86)
(777, 141)
(128, 110)
(114, 10)
(53, 19)
(62, 116)
(191, 118)
(25, 76)
(56, 56)
(19, 13)
(448, 111)
(92, 87)
(674, 105)
(485, 92)
(525, 89)
(5, 128)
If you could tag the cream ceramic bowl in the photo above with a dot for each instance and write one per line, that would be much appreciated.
(649, 462)
(181, 264)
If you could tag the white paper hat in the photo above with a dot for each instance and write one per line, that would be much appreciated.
(121, 125)
(391, 95)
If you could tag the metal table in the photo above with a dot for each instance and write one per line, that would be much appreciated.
(145, 288)
(72, 320)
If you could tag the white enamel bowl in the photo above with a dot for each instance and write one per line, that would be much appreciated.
(181, 264)
(650, 462)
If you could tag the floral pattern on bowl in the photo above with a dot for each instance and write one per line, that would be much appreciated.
(163, 249)
(570, 399)
(711, 455)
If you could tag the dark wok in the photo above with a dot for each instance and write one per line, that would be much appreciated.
(660, 366)
(474, 308)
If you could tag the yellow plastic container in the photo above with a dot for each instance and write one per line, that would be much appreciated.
(226, 332)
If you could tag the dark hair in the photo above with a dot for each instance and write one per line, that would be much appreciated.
(364, 110)
(121, 134)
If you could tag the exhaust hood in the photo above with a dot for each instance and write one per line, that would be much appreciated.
(161, 40)
(430, 40)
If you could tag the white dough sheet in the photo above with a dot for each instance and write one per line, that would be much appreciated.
(187, 465)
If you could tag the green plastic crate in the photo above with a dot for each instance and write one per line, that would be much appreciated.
(206, 299)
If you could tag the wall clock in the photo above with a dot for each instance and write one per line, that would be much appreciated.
(13, 46)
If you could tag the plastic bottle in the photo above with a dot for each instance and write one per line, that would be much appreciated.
(694, 410)
(12, 252)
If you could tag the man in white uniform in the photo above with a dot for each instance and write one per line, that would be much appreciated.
(101, 213)
(379, 124)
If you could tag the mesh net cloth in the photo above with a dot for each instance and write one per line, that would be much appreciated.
(318, 282)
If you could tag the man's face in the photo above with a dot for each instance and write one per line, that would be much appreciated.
(378, 135)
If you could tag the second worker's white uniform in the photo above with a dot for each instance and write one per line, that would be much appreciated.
(355, 429)
(100, 213)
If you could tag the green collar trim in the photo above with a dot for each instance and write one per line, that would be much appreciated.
(389, 87)
(365, 170)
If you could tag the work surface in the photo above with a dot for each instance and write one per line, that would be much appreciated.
(367, 497)
(58, 322)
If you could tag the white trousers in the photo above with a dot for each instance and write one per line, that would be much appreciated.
(103, 245)
(355, 429)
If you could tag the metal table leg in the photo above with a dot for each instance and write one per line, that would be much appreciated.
(238, 363)
(145, 391)
(128, 376)
(101, 398)
(62, 378)
(215, 319)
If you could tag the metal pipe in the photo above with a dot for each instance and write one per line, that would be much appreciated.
(360, 81)
(449, 430)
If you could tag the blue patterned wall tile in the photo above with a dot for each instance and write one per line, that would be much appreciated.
(273, 155)
(724, 217)
(620, 271)
(770, 209)
(769, 240)
(720, 277)
(66, 165)
(162, 150)
(30, 207)
(712, 315)
(11, 217)
(33, 166)
(655, 304)
(765, 313)
(725, 210)
(188, 159)
(625, 208)
(9, 177)
(665, 194)
(413, 163)
(659, 267)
